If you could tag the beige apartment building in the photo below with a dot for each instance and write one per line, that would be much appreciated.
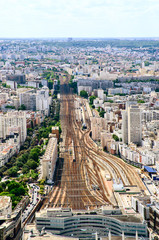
(49, 159)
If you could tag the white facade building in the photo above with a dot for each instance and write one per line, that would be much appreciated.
(100, 93)
(39, 100)
(49, 159)
(15, 119)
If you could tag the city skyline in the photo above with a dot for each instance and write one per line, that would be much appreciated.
(85, 19)
(79, 135)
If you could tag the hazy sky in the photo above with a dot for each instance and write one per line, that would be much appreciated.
(79, 18)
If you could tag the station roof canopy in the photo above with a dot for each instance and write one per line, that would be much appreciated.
(149, 169)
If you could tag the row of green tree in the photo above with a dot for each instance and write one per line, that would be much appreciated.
(26, 160)
(135, 80)
(15, 190)
(102, 43)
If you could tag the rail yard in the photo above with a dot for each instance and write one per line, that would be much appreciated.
(85, 174)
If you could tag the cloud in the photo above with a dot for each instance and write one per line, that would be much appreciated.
(102, 18)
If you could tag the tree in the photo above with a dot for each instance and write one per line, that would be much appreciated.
(8, 106)
(30, 131)
(36, 149)
(5, 85)
(115, 137)
(19, 164)
(56, 118)
(50, 84)
(91, 98)
(25, 169)
(2, 170)
(140, 101)
(73, 84)
(84, 94)
(146, 63)
(22, 107)
(13, 185)
(1, 189)
(98, 109)
(12, 172)
(20, 191)
(101, 114)
(58, 124)
(32, 124)
(34, 175)
(32, 164)
(42, 182)
(111, 101)
(23, 157)
(41, 142)
(34, 154)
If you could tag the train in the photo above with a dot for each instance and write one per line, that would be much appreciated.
(72, 152)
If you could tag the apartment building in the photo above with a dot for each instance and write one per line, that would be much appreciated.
(11, 120)
(134, 125)
(154, 217)
(11, 225)
(43, 100)
(150, 115)
(3, 97)
(131, 125)
(28, 98)
(55, 130)
(125, 127)
(141, 204)
(36, 100)
(19, 78)
(49, 159)
(113, 91)
(9, 148)
(90, 84)
(97, 125)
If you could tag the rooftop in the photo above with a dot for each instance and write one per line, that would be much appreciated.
(4, 201)
(50, 149)
(129, 218)
(149, 169)
(30, 232)
(67, 212)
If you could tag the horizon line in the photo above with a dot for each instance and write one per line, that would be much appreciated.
(92, 38)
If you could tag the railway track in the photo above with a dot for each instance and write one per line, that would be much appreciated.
(70, 186)
(78, 172)
(123, 170)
